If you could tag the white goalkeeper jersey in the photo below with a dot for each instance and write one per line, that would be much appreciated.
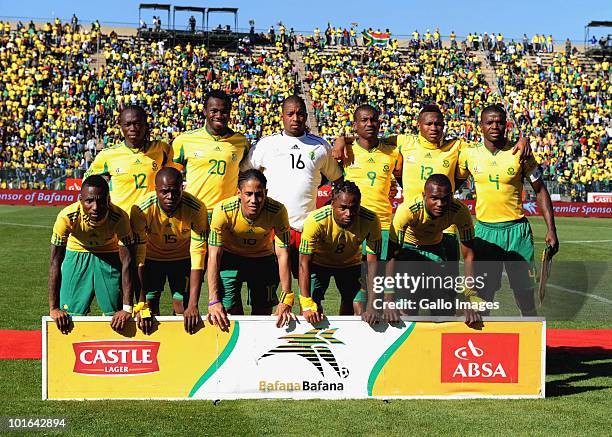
(293, 167)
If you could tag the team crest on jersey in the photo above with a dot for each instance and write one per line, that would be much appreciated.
(445, 163)
(312, 155)
(386, 168)
(234, 156)
(154, 166)
(511, 171)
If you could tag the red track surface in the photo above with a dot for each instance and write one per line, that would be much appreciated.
(16, 345)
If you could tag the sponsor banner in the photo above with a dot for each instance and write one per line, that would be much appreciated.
(599, 197)
(38, 197)
(74, 184)
(561, 209)
(342, 358)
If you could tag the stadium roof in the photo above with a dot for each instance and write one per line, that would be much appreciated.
(600, 24)
(190, 8)
(232, 10)
(163, 6)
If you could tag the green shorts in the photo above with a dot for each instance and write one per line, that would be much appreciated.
(260, 274)
(348, 281)
(508, 244)
(85, 274)
(384, 246)
(177, 273)
(411, 252)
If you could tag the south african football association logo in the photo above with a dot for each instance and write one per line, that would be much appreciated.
(315, 346)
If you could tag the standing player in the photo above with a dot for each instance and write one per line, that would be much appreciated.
(423, 155)
(503, 234)
(416, 235)
(242, 250)
(211, 155)
(87, 259)
(293, 161)
(331, 246)
(374, 161)
(171, 229)
(132, 164)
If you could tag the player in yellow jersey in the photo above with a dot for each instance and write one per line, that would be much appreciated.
(503, 234)
(416, 235)
(331, 246)
(211, 155)
(90, 255)
(423, 155)
(132, 164)
(171, 228)
(374, 161)
(246, 232)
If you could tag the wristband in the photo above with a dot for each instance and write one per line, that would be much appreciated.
(287, 297)
(472, 296)
(214, 302)
(143, 309)
(127, 308)
(308, 304)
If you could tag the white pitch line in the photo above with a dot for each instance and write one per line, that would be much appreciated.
(25, 225)
(585, 241)
(581, 293)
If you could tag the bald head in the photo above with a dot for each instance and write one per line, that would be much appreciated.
(169, 189)
(168, 175)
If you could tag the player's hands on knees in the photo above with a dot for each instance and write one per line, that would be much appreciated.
(472, 318)
(62, 320)
(218, 316)
(371, 316)
(284, 314)
(120, 318)
(312, 317)
(191, 318)
(145, 324)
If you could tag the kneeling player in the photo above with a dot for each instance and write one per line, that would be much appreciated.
(331, 246)
(170, 225)
(241, 249)
(85, 245)
(416, 236)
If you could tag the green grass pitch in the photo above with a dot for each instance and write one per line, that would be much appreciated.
(579, 388)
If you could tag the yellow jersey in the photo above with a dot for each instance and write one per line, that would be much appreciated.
(413, 224)
(212, 163)
(74, 229)
(231, 230)
(334, 246)
(372, 171)
(163, 237)
(498, 179)
(132, 172)
(421, 159)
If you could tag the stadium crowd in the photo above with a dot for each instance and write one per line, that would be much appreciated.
(398, 83)
(566, 112)
(58, 109)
